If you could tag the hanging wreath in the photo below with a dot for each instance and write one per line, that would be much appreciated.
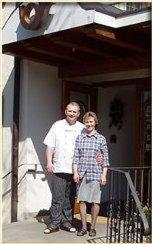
(116, 113)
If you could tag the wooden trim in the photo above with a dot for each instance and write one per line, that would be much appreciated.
(108, 65)
(51, 49)
(94, 100)
(80, 42)
(138, 127)
(113, 38)
(126, 82)
(23, 51)
(139, 120)
(15, 142)
(68, 86)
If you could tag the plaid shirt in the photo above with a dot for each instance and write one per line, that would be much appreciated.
(87, 149)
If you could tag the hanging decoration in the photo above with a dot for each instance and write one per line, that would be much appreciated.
(41, 13)
(116, 113)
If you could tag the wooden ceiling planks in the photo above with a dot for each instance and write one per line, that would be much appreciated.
(88, 50)
(106, 66)
(23, 51)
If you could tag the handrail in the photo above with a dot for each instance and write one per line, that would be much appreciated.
(18, 167)
(117, 167)
(6, 174)
(138, 203)
(136, 198)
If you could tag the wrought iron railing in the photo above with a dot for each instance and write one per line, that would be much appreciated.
(129, 208)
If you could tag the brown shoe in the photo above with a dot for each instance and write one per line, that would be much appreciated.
(92, 232)
(51, 230)
(82, 232)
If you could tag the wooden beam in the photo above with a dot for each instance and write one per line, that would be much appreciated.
(145, 81)
(20, 51)
(79, 42)
(54, 54)
(47, 47)
(113, 38)
(15, 141)
(107, 66)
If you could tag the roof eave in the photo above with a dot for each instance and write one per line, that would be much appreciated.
(123, 21)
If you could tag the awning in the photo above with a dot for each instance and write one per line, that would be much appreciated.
(80, 39)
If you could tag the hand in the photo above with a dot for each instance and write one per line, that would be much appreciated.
(103, 180)
(49, 167)
(76, 178)
(100, 159)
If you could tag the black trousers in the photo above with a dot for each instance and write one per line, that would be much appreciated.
(63, 198)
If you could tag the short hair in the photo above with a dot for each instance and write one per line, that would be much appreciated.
(73, 104)
(90, 114)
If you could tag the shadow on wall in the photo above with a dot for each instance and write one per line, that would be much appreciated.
(29, 134)
(7, 102)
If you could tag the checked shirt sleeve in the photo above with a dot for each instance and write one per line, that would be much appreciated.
(76, 156)
(104, 149)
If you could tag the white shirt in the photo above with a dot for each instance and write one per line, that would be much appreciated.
(62, 138)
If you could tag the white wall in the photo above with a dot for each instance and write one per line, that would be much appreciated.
(40, 107)
(8, 9)
(7, 121)
(123, 151)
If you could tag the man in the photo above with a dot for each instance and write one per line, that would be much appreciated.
(60, 142)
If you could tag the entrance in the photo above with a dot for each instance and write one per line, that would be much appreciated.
(85, 95)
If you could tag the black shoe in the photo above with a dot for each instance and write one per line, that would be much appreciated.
(92, 232)
(82, 232)
(50, 230)
(68, 228)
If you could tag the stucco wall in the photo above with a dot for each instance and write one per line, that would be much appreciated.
(7, 122)
(40, 107)
(123, 151)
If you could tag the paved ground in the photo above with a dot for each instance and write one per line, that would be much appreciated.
(31, 231)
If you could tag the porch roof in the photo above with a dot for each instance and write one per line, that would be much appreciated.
(63, 16)
(81, 39)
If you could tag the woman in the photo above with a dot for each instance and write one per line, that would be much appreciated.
(87, 172)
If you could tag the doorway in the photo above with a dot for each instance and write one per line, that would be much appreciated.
(85, 95)
(87, 98)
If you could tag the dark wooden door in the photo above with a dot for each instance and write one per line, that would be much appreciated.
(85, 95)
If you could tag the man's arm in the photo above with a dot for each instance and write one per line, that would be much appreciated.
(49, 156)
(100, 159)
